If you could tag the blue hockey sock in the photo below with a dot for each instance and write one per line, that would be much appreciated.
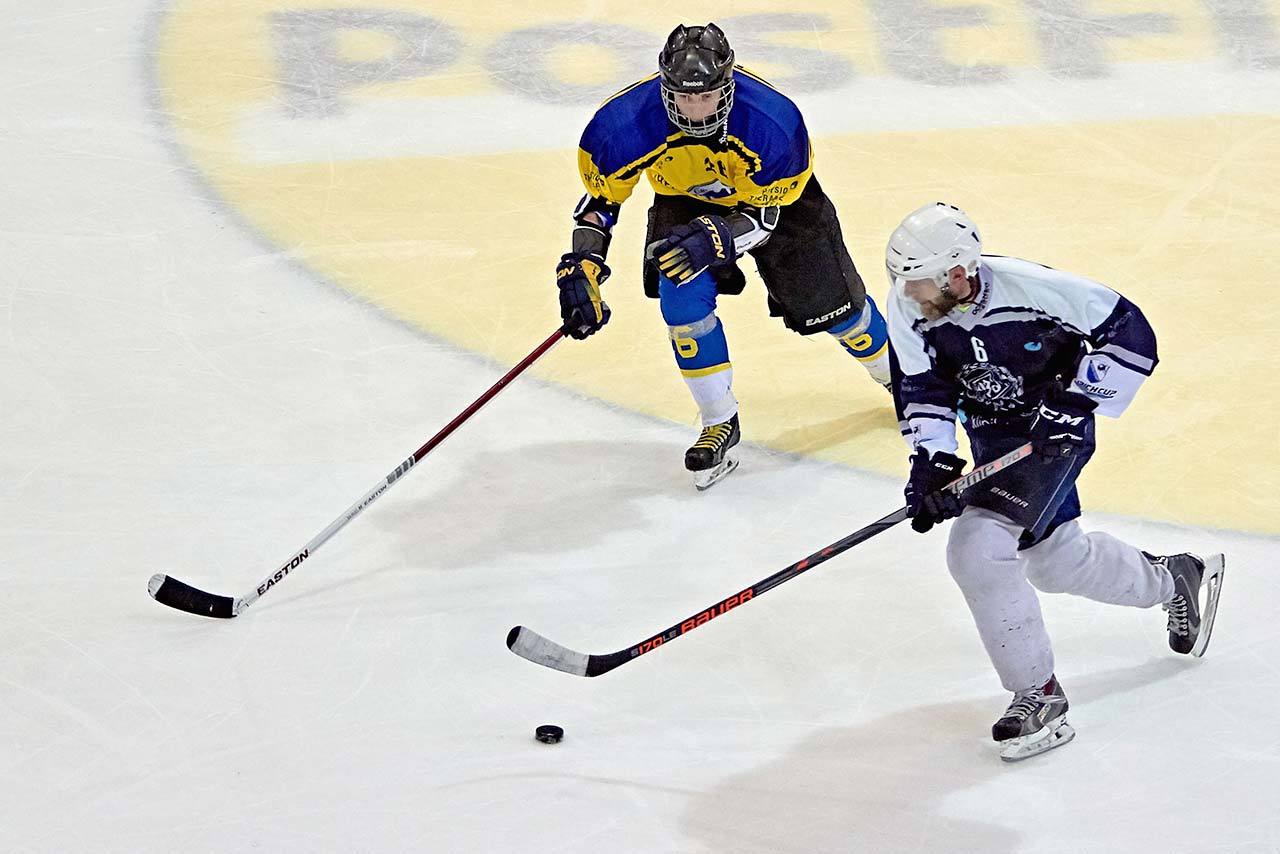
(699, 344)
(864, 335)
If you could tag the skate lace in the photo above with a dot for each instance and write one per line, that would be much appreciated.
(714, 436)
(1024, 704)
(1178, 622)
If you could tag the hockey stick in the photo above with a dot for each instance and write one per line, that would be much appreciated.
(533, 646)
(176, 594)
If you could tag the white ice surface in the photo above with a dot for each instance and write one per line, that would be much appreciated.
(176, 398)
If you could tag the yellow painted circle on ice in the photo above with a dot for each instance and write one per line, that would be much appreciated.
(342, 136)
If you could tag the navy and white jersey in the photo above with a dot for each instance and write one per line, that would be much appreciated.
(1029, 327)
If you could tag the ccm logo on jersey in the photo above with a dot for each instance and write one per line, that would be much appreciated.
(813, 321)
(1057, 417)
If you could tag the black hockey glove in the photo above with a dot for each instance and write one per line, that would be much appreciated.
(703, 244)
(581, 308)
(927, 503)
(1063, 423)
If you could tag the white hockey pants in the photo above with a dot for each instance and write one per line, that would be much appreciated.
(997, 581)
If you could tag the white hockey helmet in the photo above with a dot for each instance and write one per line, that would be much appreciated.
(929, 242)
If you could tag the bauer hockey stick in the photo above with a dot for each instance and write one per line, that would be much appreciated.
(527, 643)
(176, 594)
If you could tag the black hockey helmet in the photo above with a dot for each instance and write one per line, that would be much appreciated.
(696, 60)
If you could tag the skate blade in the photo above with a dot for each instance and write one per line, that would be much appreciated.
(707, 478)
(1214, 568)
(1053, 735)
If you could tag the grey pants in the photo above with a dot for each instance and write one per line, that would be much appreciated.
(1000, 584)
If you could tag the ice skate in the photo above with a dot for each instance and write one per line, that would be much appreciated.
(708, 459)
(1035, 722)
(1190, 620)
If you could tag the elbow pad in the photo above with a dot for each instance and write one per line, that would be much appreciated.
(753, 226)
(594, 219)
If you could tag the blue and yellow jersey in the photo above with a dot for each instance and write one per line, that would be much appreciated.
(765, 159)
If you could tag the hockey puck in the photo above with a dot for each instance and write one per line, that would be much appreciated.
(549, 734)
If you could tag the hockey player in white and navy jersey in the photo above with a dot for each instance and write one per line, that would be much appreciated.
(1020, 353)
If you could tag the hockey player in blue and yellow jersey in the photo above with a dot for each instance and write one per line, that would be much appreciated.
(1023, 353)
(731, 166)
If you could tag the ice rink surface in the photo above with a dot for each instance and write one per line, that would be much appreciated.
(253, 254)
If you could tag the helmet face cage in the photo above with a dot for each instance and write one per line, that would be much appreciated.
(699, 127)
(697, 60)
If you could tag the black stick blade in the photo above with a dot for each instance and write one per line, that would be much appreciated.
(174, 593)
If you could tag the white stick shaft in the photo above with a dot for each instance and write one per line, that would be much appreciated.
(295, 560)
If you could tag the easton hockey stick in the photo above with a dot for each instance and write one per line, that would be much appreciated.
(176, 594)
(527, 643)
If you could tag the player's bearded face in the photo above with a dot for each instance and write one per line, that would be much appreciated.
(936, 300)
(933, 301)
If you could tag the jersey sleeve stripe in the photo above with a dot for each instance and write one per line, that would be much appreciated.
(1131, 360)
(626, 173)
(928, 410)
(751, 158)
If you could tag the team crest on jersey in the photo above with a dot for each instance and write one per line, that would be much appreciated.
(994, 386)
(1096, 370)
(716, 189)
